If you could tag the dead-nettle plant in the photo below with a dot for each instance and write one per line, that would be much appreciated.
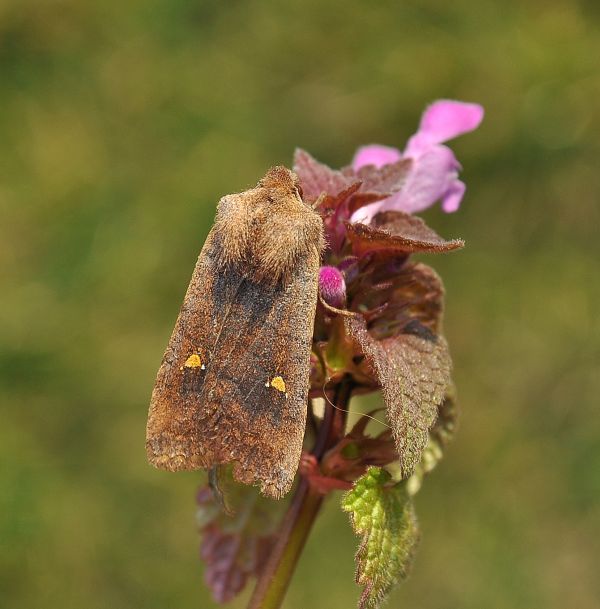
(305, 289)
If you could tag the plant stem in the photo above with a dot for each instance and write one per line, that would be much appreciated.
(301, 514)
(293, 533)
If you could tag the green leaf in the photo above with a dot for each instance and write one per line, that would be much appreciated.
(382, 513)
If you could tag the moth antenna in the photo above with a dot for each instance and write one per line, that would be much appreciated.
(214, 482)
(347, 409)
(319, 200)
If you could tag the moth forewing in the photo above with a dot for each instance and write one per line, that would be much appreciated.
(233, 383)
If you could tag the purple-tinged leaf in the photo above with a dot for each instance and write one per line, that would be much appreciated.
(395, 232)
(447, 420)
(332, 202)
(235, 547)
(413, 370)
(384, 180)
(356, 451)
(415, 293)
(316, 177)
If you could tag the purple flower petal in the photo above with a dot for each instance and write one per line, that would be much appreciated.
(365, 214)
(375, 154)
(433, 176)
(434, 173)
(453, 196)
(443, 120)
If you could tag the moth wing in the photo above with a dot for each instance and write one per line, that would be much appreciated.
(233, 384)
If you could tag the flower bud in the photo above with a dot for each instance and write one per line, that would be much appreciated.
(332, 286)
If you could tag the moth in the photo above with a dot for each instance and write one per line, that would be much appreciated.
(233, 382)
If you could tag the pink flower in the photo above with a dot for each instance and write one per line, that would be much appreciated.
(434, 172)
(375, 155)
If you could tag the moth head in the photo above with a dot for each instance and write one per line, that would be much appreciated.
(281, 178)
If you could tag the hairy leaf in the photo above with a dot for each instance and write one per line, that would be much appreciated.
(350, 458)
(383, 515)
(395, 232)
(234, 547)
(440, 434)
(413, 369)
(387, 179)
(346, 190)
(445, 426)
(413, 293)
(331, 202)
(316, 177)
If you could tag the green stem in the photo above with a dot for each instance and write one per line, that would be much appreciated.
(295, 528)
(297, 523)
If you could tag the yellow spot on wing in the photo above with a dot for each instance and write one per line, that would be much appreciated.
(278, 383)
(193, 361)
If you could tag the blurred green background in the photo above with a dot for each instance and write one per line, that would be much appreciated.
(122, 123)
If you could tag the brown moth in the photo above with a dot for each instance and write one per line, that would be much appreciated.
(233, 383)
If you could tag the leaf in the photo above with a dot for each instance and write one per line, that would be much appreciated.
(440, 435)
(445, 426)
(356, 451)
(383, 515)
(235, 547)
(316, 177)
(374, 183)
(397, 331)
(331, 202)
(413, 370)
(387, 179)
(413, 293)
(393, 232)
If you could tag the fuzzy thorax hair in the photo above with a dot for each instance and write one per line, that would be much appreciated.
(268, 230)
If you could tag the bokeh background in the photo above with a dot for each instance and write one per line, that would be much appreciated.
(123, 122)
